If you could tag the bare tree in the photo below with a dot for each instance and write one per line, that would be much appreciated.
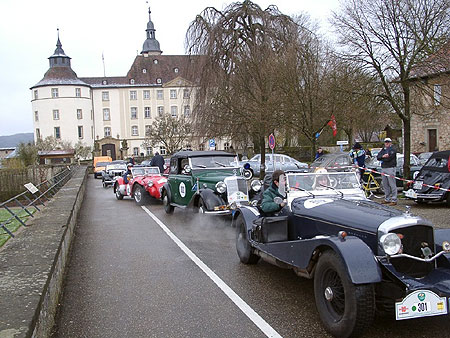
(390, 37)
(238, 90)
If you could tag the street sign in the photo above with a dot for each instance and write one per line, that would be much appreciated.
(212, 144)
(342, 143)
(271, 141)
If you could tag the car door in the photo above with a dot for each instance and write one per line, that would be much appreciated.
(181, 183)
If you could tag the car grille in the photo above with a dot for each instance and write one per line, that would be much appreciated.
(237, 189)
(413, 237)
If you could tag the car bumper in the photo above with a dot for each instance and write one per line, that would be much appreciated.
(411, 194)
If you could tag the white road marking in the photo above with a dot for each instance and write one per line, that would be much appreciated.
(245, 308)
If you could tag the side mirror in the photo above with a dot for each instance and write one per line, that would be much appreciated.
(278, 200)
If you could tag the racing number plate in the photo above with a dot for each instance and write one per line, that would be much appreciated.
(421, 303)
(410, 193)
(418, 185)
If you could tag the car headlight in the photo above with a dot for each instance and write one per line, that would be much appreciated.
(150, 183)
(221, 187)
(391, 243)
(446, 246)
(256, 185)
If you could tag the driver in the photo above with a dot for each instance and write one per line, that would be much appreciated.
(321, 183)
(268, 206)
(127, 175)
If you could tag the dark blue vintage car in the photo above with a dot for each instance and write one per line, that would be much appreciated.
(363, 256)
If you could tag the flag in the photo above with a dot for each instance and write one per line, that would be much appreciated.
(332, 124)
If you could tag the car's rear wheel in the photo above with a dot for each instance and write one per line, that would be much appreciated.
(345, 309)
(166, 202)
(119, 196)
(140, 195)
(243, 246)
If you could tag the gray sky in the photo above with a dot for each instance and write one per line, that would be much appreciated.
(115, 28)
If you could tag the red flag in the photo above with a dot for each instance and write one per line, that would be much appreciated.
(332, 124)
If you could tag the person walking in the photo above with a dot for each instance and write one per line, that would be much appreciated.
(158, 161)
(388, 158)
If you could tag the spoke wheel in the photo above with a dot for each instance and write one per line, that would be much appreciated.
(119, 196)
(140, 195)
(243, 246)
(166, 202)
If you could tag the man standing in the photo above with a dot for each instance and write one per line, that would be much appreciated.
(388, 158)
(358, 156)
(158, 161)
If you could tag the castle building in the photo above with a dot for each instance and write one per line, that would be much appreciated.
(112, 114)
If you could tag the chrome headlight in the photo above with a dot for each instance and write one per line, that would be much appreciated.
(391, 243)
(150, 183)
(446, 246)
(256, 185)
(221, 187)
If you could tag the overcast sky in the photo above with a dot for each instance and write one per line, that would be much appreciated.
(89, 28)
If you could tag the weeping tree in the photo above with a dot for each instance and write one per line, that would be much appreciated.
(239, 92)
(389, 38)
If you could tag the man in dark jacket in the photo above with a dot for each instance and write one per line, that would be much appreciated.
(388, 158)
(358, 156)
(268, 206)
(158, 161)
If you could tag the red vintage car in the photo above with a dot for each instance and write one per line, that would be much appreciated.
(143, 183)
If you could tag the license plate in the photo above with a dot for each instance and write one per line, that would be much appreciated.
(411, 193)
(421, 303)
(418, 185)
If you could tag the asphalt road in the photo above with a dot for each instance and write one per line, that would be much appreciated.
(128, 278)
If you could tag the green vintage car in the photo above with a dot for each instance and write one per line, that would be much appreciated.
(209, 182)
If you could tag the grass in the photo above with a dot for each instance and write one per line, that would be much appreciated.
(13, 224)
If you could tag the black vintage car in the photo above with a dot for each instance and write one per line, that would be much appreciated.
(432, 183)
(113, 170)
(363, 256)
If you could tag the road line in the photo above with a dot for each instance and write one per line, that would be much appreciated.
(245, 308)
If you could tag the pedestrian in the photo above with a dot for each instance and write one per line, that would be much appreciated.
(268, 205)
(388, 158)
(358, 156)
(319, 153)
(158, 161)
(127, 176)
(131, 160)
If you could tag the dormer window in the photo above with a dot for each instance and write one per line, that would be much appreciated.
(155, 61)
(104, 82)
(131, 81)
(144, 71)
(158, 80)
(176, 70)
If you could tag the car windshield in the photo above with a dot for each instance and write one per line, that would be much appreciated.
(102, 164)
(213, 162)
(319, 160)
(116, 167)
(437, 162)
(145, 171)
(320, 181)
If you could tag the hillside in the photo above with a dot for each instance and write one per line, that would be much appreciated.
(14, 140)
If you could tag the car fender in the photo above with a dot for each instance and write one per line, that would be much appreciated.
(166, 188)
(249, 214)
(441, 235)
(210, 198)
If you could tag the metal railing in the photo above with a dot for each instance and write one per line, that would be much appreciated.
(27, 201)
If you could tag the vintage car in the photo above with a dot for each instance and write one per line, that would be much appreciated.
(432, 183)
(145, 182)
(340, 161)
(363, 256)
(210, 182)
(277, 161)
(112, 171)
(99, 168)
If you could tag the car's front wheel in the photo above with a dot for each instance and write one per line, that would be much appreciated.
(345, 309)
(119, 196)
(243, 246)
(140, 195)
(166, 202)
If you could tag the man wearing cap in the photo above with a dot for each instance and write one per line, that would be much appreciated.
(388, 158)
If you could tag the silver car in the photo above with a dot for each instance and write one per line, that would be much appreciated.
(279, 161)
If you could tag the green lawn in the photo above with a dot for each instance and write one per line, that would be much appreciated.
(13, 224)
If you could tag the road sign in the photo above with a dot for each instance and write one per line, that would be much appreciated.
(271, 141)
(212, 144)
(342, 143)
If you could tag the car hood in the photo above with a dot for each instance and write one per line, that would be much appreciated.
(214, 176)
(358, 214)
(434, 177)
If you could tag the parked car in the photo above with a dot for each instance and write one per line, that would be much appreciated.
(207, 181)
(401, 265)
(280, 161)
(99, 168)
(145, 182)
(166, 164)
(333, 162)
(113, 170)
(432, 183)
(415, 166)
(423, 157)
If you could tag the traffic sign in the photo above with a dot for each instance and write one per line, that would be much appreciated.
(212, 144)
(271, 141)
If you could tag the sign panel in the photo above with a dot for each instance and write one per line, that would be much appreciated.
(272, 141)
(31, 188)
(212, 144)
(342, 143)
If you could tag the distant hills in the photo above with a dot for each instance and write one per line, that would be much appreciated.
(14, 140)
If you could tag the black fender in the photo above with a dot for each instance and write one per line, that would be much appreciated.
(248, 213)
(359, 260)
(209, 197)
(166, 188)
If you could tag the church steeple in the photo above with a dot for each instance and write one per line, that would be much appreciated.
(59, 58)
(151, 45)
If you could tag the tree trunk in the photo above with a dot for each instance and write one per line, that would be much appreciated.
(262, 172)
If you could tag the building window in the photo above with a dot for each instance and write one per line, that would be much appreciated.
(133, 95)
(160, 95)
(201, 147)
(147, 112)
(106, 115)
(133, 113)
(136, 151)
(188, 147)
(187, 111)
(173, 93)
(79, 114)
(38, 133)
(107, 131)
(162, 150)
(160, 111)
(132, 81)
(146, 94)
(57, 133)
(134, 131)
(174, 111)
(148, 129)
(77, 92)
(35, 94)
(80, 131)
(437, 91)
(55, 114)
(54, 92)
(226, 146)
(149, 151)
(186, 93)
(36, 115)
(105, 96)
